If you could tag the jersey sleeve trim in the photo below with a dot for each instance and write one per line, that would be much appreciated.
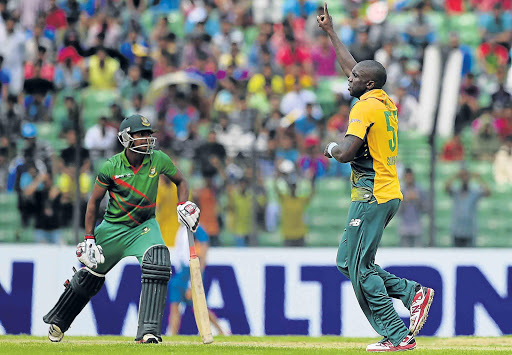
(100, 183)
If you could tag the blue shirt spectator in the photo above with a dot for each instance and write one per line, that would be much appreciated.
(299, 8)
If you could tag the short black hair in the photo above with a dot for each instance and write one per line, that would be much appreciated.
(375, 71)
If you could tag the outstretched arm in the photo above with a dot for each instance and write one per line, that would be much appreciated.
(345, 59)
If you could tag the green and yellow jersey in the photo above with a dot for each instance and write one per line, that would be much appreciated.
(133, 191)
(374, 119)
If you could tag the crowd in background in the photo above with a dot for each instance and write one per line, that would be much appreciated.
(221, 90)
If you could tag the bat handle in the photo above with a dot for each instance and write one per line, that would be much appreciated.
(191, 244)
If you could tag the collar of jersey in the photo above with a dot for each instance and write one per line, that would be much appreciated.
(379, 94)
(126, 163)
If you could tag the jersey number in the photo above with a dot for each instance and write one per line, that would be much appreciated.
(392, 142)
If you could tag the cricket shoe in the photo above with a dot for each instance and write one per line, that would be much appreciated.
(148, 339)
(55, 334)
(419, 308)
(386, 346)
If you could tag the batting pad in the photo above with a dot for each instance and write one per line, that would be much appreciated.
(156, 272)
(78, 292)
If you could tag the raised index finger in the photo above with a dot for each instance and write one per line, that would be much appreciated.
(326, 12)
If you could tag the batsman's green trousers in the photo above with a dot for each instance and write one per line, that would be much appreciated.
(373, 286)
(119, 241)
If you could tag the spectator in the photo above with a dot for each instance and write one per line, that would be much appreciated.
(134, 84)
(486, 141)
(240, 206)
(116, 115)
(69, 73)
(12, 49)
(503, 164)
(36, 149)
(138, 106)
(4, 168)
(47, 68)
(66, 180)
(490, 56)
(411, 210)
(324, 57)
(286, 150)
(496, 26)
(468, 106)
(100, 140)
(362, 49)
(293, 208)
(56, 17)
(453, 150)
(32, 179)
(407, 106)
(308, 125)
(465, 206)
(338, 123)
(207, 200)
(243, 116)
(180, 115)
(501, 97)
(102, 70)
(299, 8)
(47, 221)
(210, 156)
(295, 101)
(11, 116)
(313, 162)
(5, 79)
(503, 120)
(294, 53)
(419, 31)
(38, 40)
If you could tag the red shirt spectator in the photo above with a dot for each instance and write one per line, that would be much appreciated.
(47, 71)
(292, 53)
(453, 150)
(56, 17)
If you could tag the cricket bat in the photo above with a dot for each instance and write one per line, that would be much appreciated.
(198, 296)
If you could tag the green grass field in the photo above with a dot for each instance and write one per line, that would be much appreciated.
(23, 344)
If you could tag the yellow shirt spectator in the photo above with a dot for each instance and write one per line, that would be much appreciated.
(166, 214)
(102, 77)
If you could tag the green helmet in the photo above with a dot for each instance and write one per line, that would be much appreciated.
(133, 124)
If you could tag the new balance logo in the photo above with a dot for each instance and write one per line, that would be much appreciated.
(354, 222)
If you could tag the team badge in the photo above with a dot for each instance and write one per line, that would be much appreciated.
(145, 121)
(152, 172)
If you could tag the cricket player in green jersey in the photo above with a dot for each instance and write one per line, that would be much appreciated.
(129, 228)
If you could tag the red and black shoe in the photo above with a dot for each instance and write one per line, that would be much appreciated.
(419, 308)
(409, 343)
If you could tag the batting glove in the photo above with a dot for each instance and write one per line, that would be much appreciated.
(90, 254)
(188, 215)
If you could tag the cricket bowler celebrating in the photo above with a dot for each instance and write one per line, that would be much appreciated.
(129, 228)
(370, 145)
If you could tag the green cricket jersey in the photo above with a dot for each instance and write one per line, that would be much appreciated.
(133, 192)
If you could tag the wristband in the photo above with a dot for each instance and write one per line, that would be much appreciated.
(330, 147)
(89, 236)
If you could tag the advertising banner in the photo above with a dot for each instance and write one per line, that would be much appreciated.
(267, 291)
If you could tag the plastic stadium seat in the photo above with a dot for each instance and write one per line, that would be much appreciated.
(439, 22)
(467, 27)
(9, 218)
(95, 104)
